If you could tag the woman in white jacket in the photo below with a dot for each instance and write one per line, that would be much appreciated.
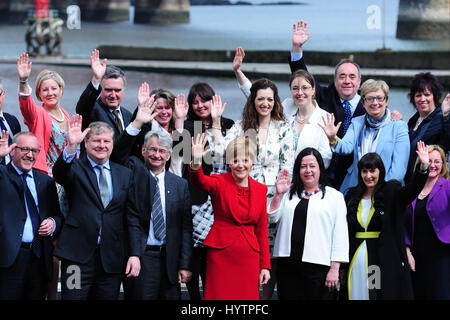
(312, 237)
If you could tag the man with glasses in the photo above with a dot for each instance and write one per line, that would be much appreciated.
(164, 207)
(29, 219)
(8, 122)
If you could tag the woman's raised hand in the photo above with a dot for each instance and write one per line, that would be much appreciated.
(143, 94)
(238, 59)
(217, 108)
(422, 154)
(198, 149)
(330, 129)
(23, 66)
(181, 106)
(283, 182)
(446, 105)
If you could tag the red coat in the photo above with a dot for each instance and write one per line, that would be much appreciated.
(238, 244)
(227, 225)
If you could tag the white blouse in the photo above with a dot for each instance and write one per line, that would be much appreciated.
(326, 234)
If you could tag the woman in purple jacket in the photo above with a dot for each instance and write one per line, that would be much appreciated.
(428, 232)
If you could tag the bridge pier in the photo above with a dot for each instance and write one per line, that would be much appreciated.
(161, 11)
(423, 19)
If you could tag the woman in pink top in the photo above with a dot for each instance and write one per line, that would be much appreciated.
(49, 122)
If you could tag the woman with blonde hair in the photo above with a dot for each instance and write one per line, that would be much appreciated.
(372, 132)
(49, 122)
(237, 245)
(428, 232)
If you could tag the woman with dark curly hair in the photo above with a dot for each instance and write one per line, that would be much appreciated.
(378, 262)
(431, 122)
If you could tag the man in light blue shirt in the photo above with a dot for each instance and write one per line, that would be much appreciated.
(29, 217)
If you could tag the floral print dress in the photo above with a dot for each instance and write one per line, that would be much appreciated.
(272, 157)
(58, 141)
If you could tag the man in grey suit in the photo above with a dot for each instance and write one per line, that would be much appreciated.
(164, 207)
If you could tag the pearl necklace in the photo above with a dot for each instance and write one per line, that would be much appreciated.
(301, 121)
(57, 119)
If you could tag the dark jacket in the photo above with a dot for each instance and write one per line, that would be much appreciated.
(389, 203)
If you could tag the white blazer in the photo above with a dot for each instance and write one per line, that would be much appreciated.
(326, 235)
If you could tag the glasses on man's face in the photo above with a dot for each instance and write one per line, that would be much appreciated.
(1, 92)
(26, 150)
(372, 99)
(302, 89)
(154, 150)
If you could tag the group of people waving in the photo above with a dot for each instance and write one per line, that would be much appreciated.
(326, 194)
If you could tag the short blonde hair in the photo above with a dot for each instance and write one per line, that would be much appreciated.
(444, 171)
(240, 146)
(372, 85)
(45, 75)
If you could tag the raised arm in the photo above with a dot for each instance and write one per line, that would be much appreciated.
(98, 68)
(87, 99)
(217, 109)
(445, 132)
(124, 146)
(4, 148)
(181, 110)
(24, 71)
(300, 36)
(244, 82)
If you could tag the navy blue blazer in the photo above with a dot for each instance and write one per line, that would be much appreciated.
(434, 129)
(12, 122)
(13, 214)
(178, 216)
(91, 107)
(78, 238)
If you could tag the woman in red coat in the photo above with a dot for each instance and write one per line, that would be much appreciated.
(238, 258)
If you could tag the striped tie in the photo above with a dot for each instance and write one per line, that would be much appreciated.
(159, 227)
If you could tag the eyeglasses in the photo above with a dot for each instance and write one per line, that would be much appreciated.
(372, 99)
(302, 88)
(156, 150)
(26, 150)
(1, 91)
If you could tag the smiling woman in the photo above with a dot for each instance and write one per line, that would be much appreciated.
(372, 132)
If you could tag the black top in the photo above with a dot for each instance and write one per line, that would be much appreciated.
(298, 229)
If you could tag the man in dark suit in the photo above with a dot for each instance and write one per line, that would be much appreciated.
(164, 208)
(98, 234)
(29, 217)
(7, 122)
(108, 82)
(340, 97)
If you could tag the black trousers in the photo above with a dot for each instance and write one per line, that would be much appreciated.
(198, 269)
(88, 281)
(152, 282)
(26, 279)
(298, 280)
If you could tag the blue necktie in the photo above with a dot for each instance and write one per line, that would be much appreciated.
(103, 186)
(34, 216)
(159, 228)
(3, 127)
(348, 115)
